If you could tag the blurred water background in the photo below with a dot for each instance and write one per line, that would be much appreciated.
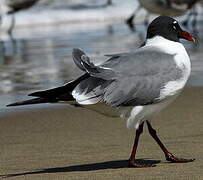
(38, 53)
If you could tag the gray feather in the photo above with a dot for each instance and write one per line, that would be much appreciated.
(77, 54)
(135, 78)
(83, 62)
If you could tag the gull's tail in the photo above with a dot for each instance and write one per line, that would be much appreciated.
(54, 95)
(59, 94)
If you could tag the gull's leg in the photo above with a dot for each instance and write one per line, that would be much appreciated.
(169, 156)
(132, 162)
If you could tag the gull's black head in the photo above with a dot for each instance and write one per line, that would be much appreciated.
(168, 28)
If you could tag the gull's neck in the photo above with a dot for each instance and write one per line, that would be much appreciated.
(168, 46)
(174, 48)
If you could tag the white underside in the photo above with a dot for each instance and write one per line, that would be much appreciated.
(134, 115)
(140, 114)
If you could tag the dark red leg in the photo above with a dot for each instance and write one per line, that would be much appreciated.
(169, 156)
(132, 162)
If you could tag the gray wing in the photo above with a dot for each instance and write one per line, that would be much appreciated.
(132, 79)
(83, 62)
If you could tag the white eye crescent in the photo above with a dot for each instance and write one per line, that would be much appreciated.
(174, 28)
(175, 22)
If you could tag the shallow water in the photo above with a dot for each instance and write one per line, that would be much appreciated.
(39, 57)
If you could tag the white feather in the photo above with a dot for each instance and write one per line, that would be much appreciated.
(140, 114)
(85, 98)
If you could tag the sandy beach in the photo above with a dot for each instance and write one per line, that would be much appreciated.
(61, 142)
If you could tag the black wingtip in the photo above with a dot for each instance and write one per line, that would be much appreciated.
(9, 105)
(13, 104)
(38, 93)
(28, 102)
(77, 50)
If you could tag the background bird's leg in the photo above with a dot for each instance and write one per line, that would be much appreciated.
(1, 41)
(195, 15)
(129, 21)
(12, 24)
(146, 20)
(169, 156)
(188, 18)
(131, 161)
(109, 2)
(0, 20)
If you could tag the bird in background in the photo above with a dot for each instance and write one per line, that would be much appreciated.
(132, 85)
(10, 7)
(163, 7)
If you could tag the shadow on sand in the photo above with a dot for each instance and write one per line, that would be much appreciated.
(84, 167)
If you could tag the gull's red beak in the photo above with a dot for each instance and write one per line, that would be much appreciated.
(187, 36)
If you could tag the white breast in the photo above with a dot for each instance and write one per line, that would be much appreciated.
(182, 61)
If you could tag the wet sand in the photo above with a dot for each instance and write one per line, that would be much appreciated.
(61, 142)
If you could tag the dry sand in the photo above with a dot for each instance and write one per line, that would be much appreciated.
(49, 142)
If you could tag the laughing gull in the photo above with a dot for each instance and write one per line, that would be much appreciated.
(162, 7)
(13, 6)
(134, 85)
